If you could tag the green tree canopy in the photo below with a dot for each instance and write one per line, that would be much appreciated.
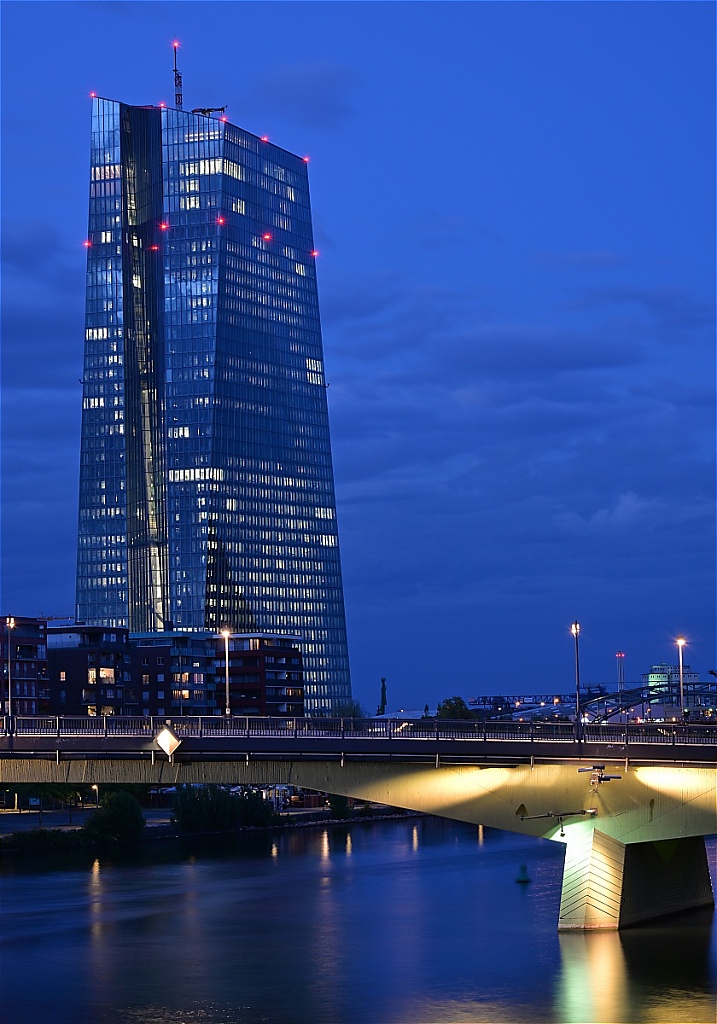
(349, 709)
(119, 818)
(453, 708)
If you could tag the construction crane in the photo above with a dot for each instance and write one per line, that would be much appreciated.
(179, 99)
(209, 110)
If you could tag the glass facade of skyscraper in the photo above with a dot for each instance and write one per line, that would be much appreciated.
(206, 483)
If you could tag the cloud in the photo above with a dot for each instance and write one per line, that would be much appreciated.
(441, 334)
(589, 258)
(42, 309)
(435, 230)
(628, 510)
(315, 94)
(669, 308)
(38, 257)
(526, 454)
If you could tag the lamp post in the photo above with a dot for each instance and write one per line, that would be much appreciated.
(680, 644)
(226, 634)
(575, 630)
(9, 625)
(620, 658)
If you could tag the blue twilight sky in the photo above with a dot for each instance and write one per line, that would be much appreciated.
(514, 208)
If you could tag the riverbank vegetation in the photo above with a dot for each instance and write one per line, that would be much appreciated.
(196, 810)
(216, 809)
(118, 819)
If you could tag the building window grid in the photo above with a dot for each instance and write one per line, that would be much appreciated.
(257, 268)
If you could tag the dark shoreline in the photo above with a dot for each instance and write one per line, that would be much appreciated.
(169, 832)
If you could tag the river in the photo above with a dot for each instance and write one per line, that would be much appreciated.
(413, 921)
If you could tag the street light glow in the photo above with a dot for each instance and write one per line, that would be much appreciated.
(680, 644)
(226, 633)
(9, 624)
(575, 630)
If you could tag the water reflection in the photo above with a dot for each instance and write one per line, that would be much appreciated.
(658, 973)
(374, 923)
(592, 985)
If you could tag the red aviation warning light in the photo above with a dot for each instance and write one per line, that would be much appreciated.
(93, 95)
(87, 243)
(305, 159)
(153, 248)
(162, 105)
(314, 253)
(266, 237)
(164, 226)
(220, 220)
(265, 138)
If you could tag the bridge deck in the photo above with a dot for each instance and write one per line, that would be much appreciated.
(472, 742)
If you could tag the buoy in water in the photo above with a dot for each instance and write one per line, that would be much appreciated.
(523, 876)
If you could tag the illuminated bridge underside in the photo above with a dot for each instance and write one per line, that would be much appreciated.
(634, 844)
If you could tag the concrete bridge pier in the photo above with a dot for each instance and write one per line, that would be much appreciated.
(609, 885)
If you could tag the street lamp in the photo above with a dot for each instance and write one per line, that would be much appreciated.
(620, 658)
(9, 625)
(575, 630)
(680, 644)
(226, 633)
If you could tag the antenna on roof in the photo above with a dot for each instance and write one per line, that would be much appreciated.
(177, 80)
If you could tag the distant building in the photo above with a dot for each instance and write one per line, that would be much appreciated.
(23, 648)
(89, 671)
(668, 676)
(266, 676)
(93, 670)
(185, 674)
(206, 483)
(700, 697)
(174, 673)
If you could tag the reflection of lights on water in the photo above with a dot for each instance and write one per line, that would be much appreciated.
(593, 980)
(325, 845)
(274, 850)
(96, 900)
(481, 837)
(414, 838)
(349, 844)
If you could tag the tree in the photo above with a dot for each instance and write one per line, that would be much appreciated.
(217, 809)
(453, 708)
(349, 709)
(119, 818)
(339, 806)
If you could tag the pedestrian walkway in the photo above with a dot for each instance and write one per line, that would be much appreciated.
(22, 821)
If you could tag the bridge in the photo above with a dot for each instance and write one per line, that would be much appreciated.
(631, 803)
(598, 703)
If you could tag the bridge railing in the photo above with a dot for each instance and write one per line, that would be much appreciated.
(111, 726)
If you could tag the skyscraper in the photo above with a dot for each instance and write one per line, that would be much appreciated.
(206, 483)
